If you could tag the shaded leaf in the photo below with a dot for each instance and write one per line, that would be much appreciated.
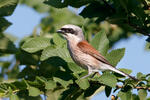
(64, 83)
(7, 7)
(35, 44)
(108, 91)
(4, 24)
(65, 3)
(100, 42)
(6, 46)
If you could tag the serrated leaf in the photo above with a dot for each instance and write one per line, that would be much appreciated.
(125, 95)
(83, 83)
(64, 83)
(59, 41)
(128, 71)
(35, 44)
(51, 52)
(107, 79)
(142, 94)
(50, 84)
(14, 97)
(108, 91)
(115, 56)
(100, 42)
(33, 91)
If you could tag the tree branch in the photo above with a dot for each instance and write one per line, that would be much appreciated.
(137, 87)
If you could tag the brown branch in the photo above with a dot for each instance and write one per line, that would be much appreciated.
(137, 87)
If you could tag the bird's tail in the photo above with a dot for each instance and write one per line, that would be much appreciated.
(120, 72)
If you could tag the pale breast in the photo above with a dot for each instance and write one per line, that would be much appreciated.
(82, 59)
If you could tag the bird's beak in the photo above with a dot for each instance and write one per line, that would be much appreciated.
(59, 31)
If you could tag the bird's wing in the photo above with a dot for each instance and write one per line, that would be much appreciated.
(87, 48)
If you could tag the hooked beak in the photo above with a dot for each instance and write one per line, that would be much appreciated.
(61, 31)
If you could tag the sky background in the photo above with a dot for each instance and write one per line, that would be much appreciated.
(24, 20)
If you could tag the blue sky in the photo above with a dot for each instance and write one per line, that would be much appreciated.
(24, 20)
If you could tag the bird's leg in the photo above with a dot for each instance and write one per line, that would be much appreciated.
(89, 72)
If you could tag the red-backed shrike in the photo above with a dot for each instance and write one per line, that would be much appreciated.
(83, 53)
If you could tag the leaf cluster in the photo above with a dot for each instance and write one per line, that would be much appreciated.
(41, 63)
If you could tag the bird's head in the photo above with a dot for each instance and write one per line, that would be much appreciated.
(71, 32)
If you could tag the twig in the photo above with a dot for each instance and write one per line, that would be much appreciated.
(137, 87)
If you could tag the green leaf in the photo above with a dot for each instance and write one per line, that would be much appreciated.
(100, 42)
(33, 91)
(107, 79)
(125, 95)
(83, 83)
(108, 91)
(6, 46)
(75, 68)
(135, 97)
(59, 41)
(50, 84)
(51, 52)
(90, 11)
(73, 3)
(56, 3)
(14, 97)
(128, 71)
(140, 75)
(64, 83)
(115, 56)
(142, 94)
(7, 7)
(4, 24)
(35, 44)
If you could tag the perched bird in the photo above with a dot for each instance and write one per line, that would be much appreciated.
(83, 53)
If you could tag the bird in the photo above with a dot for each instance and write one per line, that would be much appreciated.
(83, 54)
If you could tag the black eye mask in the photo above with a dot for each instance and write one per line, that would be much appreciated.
(68, 30)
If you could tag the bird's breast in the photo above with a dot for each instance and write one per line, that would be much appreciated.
(81, 58)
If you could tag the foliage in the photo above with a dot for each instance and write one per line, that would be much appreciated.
(48, 67)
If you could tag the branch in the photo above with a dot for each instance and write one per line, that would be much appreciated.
(137, 87)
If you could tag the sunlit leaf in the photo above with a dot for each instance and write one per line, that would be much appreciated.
(35, 44)
(100, 42)
(33, 91)
(83, 83)
(115, 56)
(142, 94)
